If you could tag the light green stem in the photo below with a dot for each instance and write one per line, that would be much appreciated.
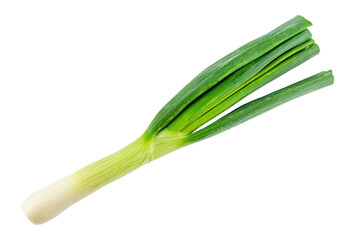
(116, 165)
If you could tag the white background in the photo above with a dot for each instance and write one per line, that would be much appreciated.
(81, 79)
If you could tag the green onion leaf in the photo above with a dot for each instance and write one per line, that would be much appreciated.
(263, 104)
(222, 68)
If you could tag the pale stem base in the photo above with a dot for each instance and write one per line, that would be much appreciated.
(50, 201)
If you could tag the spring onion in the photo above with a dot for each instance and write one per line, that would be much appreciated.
(180, 122)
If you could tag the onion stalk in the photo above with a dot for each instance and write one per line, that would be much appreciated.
(180, 121)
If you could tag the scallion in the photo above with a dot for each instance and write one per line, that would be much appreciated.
(180, 122)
